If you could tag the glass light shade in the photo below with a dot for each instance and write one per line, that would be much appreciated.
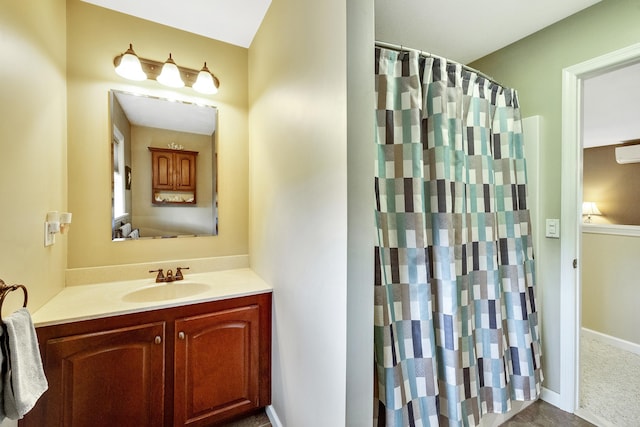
(205, 83)
(129, 66)
(170, 75)
(590, 208)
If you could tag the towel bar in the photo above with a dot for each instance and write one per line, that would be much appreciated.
(5, 289)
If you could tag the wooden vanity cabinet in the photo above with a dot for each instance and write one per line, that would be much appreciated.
(195, 365)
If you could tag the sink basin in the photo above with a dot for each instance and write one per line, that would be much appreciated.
(166, 291)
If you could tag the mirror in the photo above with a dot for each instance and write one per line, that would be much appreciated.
(164, 170)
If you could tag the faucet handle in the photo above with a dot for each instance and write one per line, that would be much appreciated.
(179, 275)
(160, 277)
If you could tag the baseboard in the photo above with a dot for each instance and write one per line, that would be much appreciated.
(612, 341)
(593, 419)
(273, 416)
(550, 397)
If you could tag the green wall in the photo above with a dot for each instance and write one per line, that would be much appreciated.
(534, 66)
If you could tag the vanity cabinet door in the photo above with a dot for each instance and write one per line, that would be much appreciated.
(185, 171)
(109, 378)
(162, 170)
(217, 370)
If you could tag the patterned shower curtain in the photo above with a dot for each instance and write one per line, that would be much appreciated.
(456, 326)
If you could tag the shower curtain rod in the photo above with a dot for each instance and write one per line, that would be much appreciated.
(401, 48)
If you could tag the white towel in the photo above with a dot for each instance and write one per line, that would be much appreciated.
(125, 229)
(24, 380)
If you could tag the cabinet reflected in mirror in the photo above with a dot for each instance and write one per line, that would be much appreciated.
(185, 134)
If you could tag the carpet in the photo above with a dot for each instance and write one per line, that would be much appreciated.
(610, 383)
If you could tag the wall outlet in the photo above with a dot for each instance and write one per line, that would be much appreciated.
(49, 238)
(552, 228)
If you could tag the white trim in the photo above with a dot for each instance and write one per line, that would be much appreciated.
(273, 416)
(592, 418)
(117, 134)
(550, 396)
(612, 341)
(569, 240)
(617, 229)
(532, 129)
(572, 78)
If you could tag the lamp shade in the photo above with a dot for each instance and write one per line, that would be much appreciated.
(206, 83)
(170, 75)
(590, 208)
(129, 66)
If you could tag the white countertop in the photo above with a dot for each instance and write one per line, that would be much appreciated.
(85, 302)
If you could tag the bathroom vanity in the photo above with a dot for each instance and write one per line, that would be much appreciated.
(196, 360)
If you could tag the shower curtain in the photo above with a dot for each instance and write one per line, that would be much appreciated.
(456, 327)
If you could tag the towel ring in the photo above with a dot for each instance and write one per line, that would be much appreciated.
(5, 289)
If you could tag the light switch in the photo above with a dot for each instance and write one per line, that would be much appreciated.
(553, 228)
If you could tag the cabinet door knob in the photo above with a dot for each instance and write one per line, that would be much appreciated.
(181, 335)
(158, 339)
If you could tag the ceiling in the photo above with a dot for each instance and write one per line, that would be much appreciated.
(466, 30)
(611, 107)
(231, 21)
(171, 115)
(461, 30)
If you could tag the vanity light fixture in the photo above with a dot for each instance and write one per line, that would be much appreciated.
(167, 73)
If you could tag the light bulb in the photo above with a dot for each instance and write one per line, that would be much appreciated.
(129, 66)
(205, 82)
(170, 75)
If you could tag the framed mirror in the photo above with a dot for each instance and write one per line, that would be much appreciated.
(164, 168)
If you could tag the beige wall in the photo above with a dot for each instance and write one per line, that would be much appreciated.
(360, 157)
(610, 291)
(534, 66)
(95, 36)
(614, 187)
(299, 150)
(33, 141)
(298, 224)
(167, 220)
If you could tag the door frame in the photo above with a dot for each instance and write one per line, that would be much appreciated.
(571, 213)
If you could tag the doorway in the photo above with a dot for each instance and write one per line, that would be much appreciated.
(571, 239)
